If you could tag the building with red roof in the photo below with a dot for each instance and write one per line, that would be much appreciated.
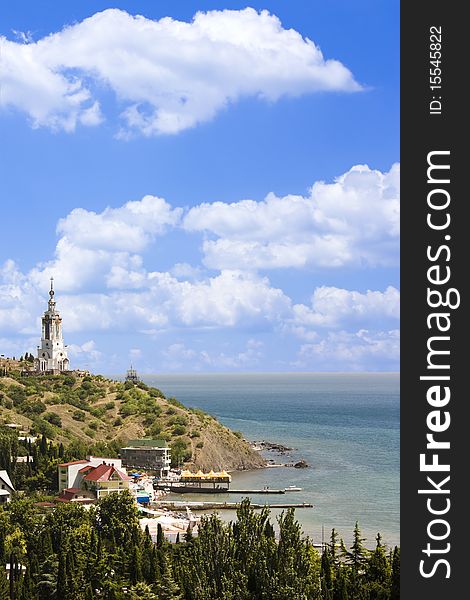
(105, 479)
(76, 495)
(72, 474)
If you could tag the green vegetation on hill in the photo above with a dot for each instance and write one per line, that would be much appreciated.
(95, 415)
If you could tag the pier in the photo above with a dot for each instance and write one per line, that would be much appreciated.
(179, 505)
(263, 491)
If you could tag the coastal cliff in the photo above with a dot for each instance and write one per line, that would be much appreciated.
(94, 414)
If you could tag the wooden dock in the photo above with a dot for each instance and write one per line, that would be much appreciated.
(180, 505)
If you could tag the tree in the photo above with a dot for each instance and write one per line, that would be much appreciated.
(47, 579)
(142, 591)
(357, 555)
(160, 536)
(377, 568)
(327, 581)
(167, 588)
(395, 583)
(135, 567)
(118, 517)
(332, 547)
(4, 587)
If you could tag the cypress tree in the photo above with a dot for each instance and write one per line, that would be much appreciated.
(333, 544)
(89, 595)
(4, 587)
(62, 573)
(2, 546)
(43, 446)
(26, 592)
(70, 570)
(395, 584)
(135, 567)
(327, 582)
(340, 591)
(160, 536)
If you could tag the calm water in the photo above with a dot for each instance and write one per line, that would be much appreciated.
(346, 426)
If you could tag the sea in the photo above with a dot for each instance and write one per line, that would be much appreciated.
(345, 426)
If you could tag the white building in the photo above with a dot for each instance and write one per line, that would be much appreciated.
(152, 455)
(52, 353)
(70, 475)
(6, 487)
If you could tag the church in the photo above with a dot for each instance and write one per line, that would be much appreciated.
(52, 353)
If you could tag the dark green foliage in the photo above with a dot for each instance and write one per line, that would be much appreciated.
(53, 419)
(179, 452)
(395, 583)
(75, 554)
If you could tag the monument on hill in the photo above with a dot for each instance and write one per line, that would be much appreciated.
(52, 353)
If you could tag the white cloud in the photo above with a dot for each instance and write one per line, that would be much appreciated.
(335, 307)
(168, 75)
(178, 356)
(186, 271)
(355, 351)
(102, 246)
(84, 352)
(353, 221)
(103, 283)
(130, 227)
(229, 299)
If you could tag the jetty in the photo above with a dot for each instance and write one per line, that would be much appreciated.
(179, 505)
(263, 491)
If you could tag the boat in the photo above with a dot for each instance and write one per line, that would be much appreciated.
(292, 488)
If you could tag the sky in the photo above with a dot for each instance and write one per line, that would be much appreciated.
(214, 186)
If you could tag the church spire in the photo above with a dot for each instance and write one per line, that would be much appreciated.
(51, 296)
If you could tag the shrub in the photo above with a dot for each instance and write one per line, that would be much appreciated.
(154, 430)
(109, 405)
(17, 394)
(53, 419)
(179, 430)
(238, 434)
(118, 421)
(200, 445)
(44, 428)
(128, 409)
(176, 402)
(36, 408)
(194, 434)
(68, 380)
(93, 425)
(98, 411)
(179, 420)
(78, 415)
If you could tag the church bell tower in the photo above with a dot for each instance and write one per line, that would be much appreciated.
(52, 353)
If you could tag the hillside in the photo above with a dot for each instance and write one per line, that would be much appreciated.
(94, 412)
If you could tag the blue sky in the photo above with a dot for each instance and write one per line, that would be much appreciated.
(212, 192)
